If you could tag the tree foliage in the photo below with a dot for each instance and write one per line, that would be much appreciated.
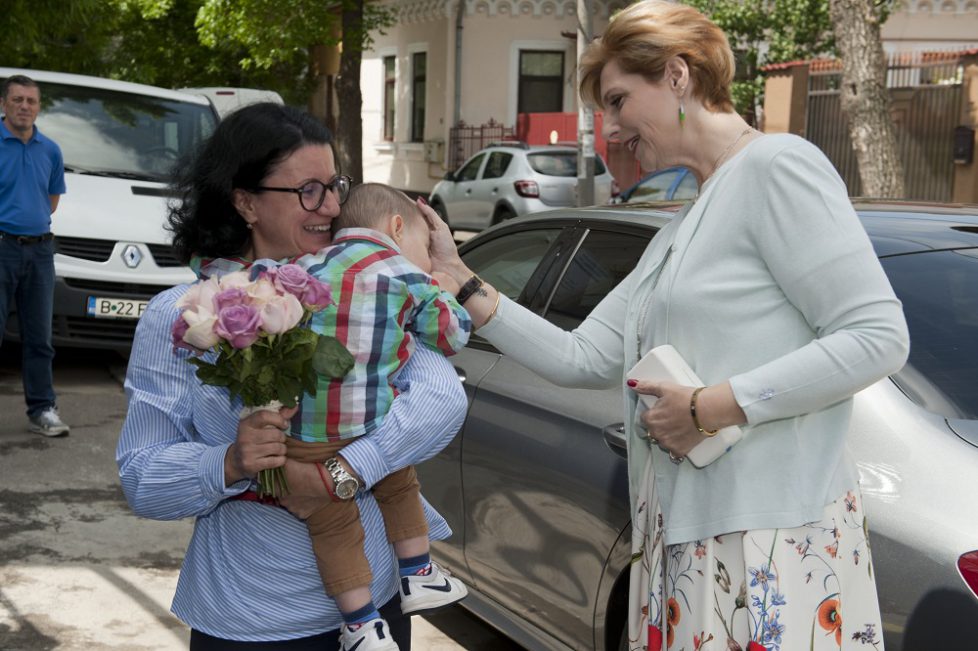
(768, 31)
(177, 43)
(62, 35)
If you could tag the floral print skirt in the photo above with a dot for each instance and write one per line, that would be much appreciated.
(810, 587)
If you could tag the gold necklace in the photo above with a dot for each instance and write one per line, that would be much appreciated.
(726, 151)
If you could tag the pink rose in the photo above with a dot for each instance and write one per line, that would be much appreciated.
(240, 279)
(292, 278)
(238, 324)
(200, 333)
(281, 314)
(261, 291)
(230, 297)
(317, 295)
(177, 332)
(200, 295)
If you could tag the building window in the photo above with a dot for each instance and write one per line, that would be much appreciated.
(389, 97)
(541, 86)
(419, 65)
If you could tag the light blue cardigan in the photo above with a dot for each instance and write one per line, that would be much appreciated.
(767, 280)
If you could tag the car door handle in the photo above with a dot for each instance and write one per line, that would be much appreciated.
(462, 376)
(468, 192)
(495, 190)
(614, 436)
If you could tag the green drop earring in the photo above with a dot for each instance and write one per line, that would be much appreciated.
(682, 107)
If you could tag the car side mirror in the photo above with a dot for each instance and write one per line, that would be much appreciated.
(449, 176)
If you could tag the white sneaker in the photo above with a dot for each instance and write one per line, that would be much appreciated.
(369, 636)
(432, 591)
(48, 423)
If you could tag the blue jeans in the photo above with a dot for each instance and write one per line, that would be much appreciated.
(27, 277)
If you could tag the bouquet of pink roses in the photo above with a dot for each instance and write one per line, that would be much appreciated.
(256, 322)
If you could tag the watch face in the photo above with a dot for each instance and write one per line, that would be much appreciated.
(346, 489)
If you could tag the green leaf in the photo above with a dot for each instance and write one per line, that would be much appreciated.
(331, 358)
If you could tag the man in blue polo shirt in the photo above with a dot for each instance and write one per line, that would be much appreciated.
(32, 180)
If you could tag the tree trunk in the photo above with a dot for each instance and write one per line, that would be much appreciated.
(865, 99)
(349, 134)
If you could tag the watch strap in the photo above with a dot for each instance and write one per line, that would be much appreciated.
(321, 467)
(471, 286)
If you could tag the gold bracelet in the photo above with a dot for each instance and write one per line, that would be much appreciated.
(696, 421)
(492, 312)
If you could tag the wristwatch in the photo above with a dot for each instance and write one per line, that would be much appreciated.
(345, 485)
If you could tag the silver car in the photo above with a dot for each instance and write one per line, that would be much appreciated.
(535, 483)
(509, 179)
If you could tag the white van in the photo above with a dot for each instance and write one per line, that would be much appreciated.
(226, 99)
(112, 252)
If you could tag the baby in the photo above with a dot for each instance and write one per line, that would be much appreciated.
(386, 303)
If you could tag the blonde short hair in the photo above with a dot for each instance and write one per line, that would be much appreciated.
(370, 203)
(644, 36)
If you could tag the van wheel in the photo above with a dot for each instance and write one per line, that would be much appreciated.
(501, 215)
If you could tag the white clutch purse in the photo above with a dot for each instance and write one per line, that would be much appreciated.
(665, 363)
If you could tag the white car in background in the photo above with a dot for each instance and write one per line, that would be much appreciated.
(227, 99)
(508, 179)
(112, 253)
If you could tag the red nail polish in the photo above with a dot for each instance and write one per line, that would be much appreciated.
(633, 383)
(423, 201)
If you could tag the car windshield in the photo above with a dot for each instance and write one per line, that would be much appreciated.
(562, 163)
(114, 133)
(940, 300)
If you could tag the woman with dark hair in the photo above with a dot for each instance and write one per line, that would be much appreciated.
(769, 288)
(263, 186)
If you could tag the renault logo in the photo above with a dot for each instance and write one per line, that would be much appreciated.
(131, 256)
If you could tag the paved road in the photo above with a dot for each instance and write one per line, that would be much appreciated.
(77, 570)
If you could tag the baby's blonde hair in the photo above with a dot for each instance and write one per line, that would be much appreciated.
(371, 203)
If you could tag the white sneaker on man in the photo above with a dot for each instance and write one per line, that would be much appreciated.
(48, 423)
(369, 636)
(424, 593)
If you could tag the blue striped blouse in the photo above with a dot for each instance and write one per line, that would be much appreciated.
(249, 572)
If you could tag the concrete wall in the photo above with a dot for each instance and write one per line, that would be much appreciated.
(379, 155)
(494, 32)
(931, 25)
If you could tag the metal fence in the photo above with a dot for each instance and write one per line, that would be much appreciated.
(925, 94)
(465, 140)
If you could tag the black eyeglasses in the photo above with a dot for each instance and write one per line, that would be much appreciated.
(313, 193)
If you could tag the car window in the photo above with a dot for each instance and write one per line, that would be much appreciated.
(688, 188)
(554, 164)
(655, 187)
(111, 132)
(497, 164)
(601, 262)
(599, 167)
(508, 261)
(471, 169)
(940, 301)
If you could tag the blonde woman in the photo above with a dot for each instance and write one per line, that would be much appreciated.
(767, 285)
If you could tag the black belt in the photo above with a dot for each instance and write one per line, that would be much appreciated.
(26, 239)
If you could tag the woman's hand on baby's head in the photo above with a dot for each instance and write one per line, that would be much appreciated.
(441, 246)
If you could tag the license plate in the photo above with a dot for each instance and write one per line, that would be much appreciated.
(116, 308)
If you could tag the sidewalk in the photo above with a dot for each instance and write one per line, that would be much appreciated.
(78, 571)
